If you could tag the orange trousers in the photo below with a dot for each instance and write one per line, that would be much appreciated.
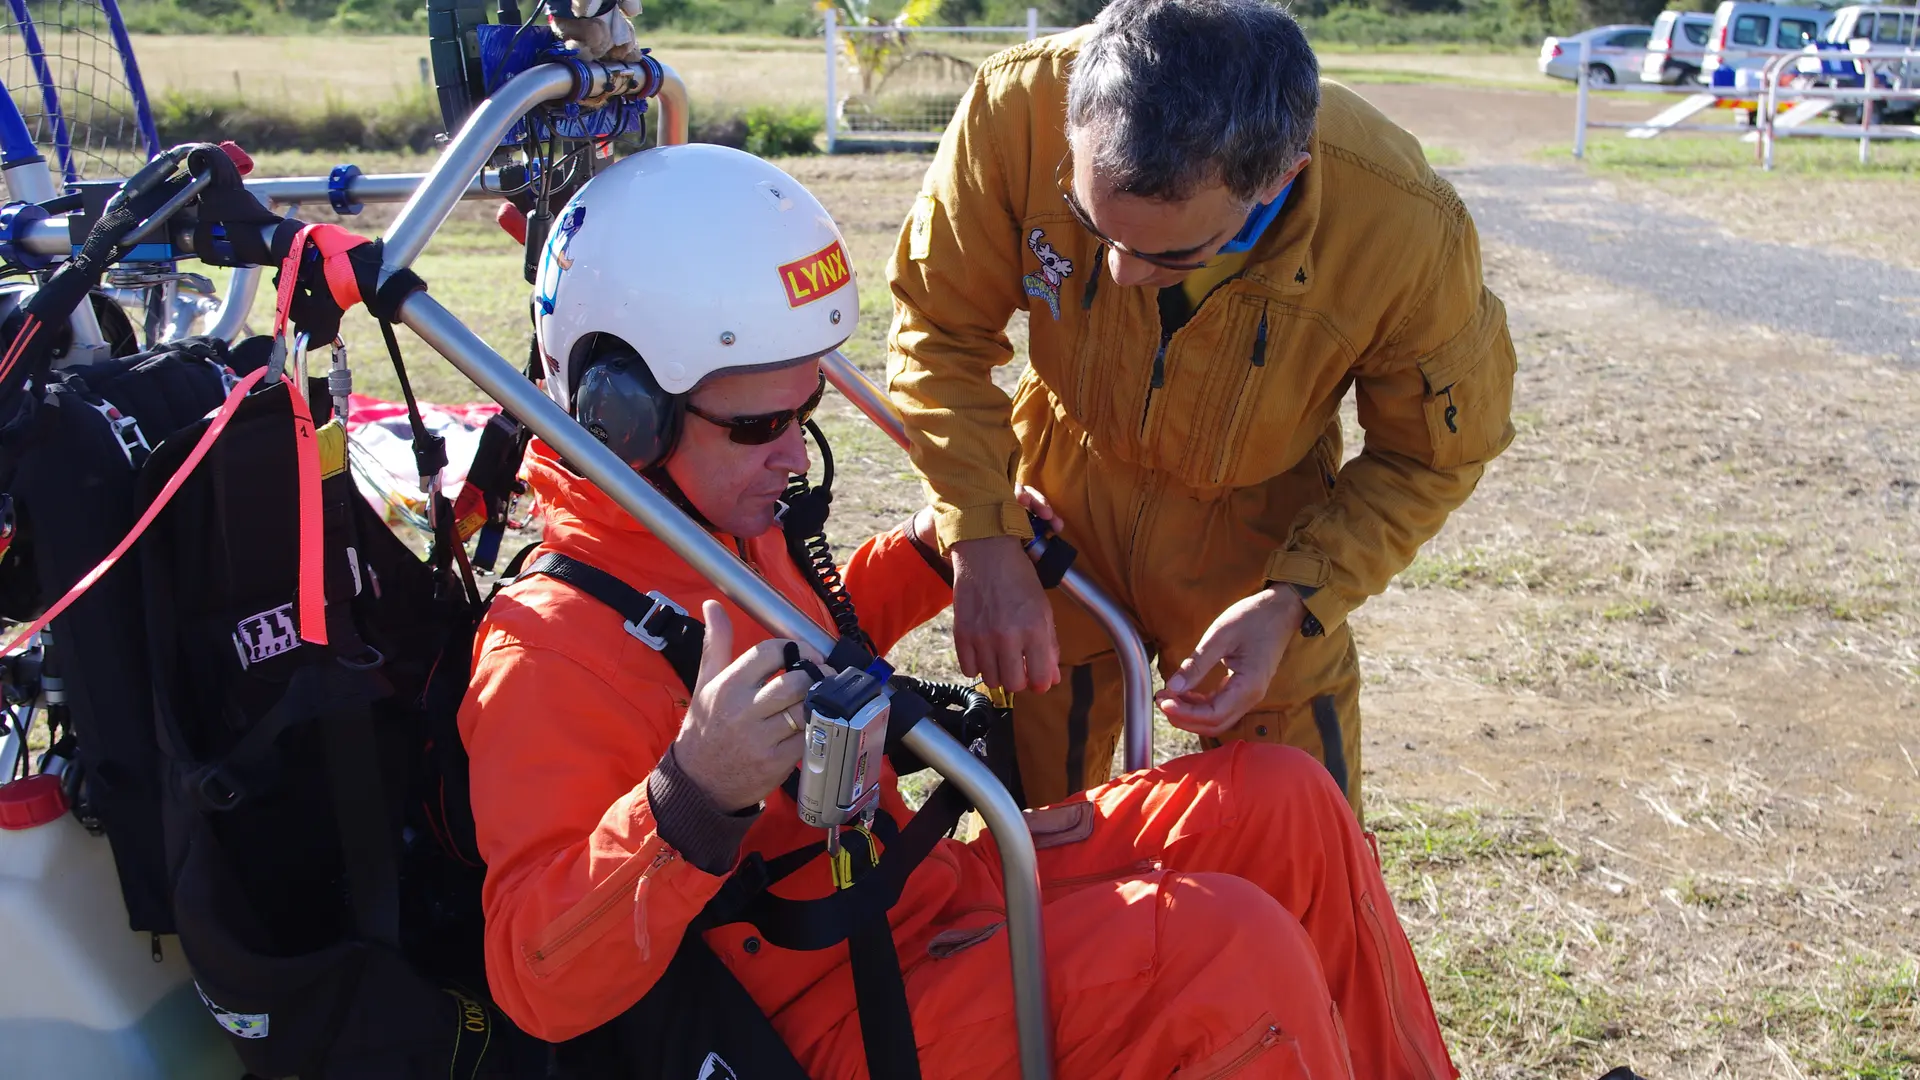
(1221, 915)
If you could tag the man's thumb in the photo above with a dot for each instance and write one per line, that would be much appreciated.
(716, 649)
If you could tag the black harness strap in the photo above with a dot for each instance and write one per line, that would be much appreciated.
(655, 620)
(879, 988)
(809, 925)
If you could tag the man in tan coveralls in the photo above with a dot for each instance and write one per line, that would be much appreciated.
(1212, 246)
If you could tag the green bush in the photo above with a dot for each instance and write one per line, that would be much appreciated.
(774, 131)
(408, 122)
(411, 121)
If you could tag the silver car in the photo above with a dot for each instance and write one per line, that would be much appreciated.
(1617, 54)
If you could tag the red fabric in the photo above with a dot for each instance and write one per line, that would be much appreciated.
(313, 579)
(512, 219)
(1203, 918)
(240, 158)
(362, 410)
(334, 243)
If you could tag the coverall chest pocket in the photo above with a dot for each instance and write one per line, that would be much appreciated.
(1277, 380)
(1469, 392)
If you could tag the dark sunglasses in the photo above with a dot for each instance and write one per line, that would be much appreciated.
(763, 429)
(1063, 177)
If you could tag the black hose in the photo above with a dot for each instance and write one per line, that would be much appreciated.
(805, 523)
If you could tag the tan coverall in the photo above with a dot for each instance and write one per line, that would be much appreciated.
(1191, 472)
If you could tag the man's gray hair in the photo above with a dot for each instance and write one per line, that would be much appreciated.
(1178, 94)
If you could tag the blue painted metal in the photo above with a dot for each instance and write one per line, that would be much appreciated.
(14, 219)
(138, 88)
(16, 142)
(338, 181)
(49, 95)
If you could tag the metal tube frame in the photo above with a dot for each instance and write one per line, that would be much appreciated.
(501, 380)
(1136, 670)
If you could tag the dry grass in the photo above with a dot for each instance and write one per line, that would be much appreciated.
(741, 71)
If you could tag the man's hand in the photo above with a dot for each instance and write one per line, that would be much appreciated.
(605, 36)
(1002, 623)
(1249, 637)
(742, 734)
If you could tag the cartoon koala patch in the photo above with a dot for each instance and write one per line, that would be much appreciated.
(1045, 282)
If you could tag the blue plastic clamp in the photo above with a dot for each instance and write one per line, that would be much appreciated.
(338, 181)
(15, 217)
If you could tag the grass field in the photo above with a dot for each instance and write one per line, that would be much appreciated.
(738, 71)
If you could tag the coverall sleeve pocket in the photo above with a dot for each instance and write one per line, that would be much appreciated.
(1469, 390)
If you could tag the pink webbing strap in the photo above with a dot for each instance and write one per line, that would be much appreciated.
(159, 503)
(313, 574)
(312, 595)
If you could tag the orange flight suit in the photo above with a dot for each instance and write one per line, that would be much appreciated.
(1222, 914)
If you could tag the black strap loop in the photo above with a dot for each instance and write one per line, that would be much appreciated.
(657, 619)
(1054, 562)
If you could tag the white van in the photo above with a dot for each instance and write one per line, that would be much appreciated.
(1887, 26)
(1881, 28)
(1746, 35)
(1678, 47)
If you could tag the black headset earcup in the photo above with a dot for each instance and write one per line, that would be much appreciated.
(619, 401)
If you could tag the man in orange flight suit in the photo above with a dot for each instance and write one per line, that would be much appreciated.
(1222, 914)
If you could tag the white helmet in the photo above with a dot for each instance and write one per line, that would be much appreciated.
(699, 258)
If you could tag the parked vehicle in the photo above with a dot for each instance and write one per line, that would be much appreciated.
(1617, 54)
(1861, 28)
(1746, 35)
(1678, 46)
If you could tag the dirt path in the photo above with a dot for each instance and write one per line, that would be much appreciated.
(1691, 268)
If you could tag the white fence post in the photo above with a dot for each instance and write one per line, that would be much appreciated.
(1580, 106)
(833, 63)
(1033, 23)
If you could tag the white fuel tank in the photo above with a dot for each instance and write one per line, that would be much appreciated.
(80, 994)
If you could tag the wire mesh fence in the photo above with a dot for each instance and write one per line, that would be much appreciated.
(901, 84)
(70, 71)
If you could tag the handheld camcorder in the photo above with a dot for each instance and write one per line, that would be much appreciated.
(845, 738)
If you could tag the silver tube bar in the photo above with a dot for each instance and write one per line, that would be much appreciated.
(675, 113)
(237, 303)
(452, 339)
(854, 385)
(464, 157)
(1136, 671)
(1136, 701)
(365, 188)
(460, 163)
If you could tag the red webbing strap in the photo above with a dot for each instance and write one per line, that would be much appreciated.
(312, 599)
(159, 503)
(313, 570)
(333, 243)
(289, 276)
(20, 342)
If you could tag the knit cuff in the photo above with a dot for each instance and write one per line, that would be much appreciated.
(687, 819)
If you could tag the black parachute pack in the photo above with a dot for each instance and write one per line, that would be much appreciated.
(332, 923)
(247, 689)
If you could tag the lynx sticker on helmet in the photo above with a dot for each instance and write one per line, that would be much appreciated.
(813, 277)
